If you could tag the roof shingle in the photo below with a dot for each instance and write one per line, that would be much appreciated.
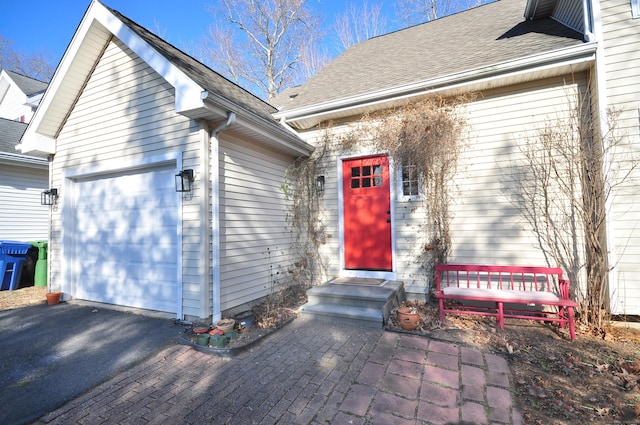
(486, 35)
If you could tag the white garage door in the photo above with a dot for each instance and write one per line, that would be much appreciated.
(125, 239)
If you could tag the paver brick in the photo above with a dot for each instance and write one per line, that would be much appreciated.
(443, 347)
(309, 374)
(405, 368)
(390, 403)
(446, 361)
(471, 356)
(437, 394)
(497, 397)
(437, 415)
(358, 400)
(442, 376)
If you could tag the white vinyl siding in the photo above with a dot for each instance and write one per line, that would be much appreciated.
(254, 240)
(22, 218)
(12, 104)
(570, 13)
(622, 52)
(125, 116)
(485, 227)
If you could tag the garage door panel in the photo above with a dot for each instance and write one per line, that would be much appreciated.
(126, 239)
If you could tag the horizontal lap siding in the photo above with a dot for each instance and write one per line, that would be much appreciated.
(12, 105)
(254, 240)
(622, 55)
(487, 228)
(22, 218)
(125, 113)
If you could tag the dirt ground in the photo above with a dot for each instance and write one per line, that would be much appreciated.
(591, 380)
(22, 297)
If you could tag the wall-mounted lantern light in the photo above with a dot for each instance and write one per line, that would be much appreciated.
(49, 197)
(320, 184)
(184, 181)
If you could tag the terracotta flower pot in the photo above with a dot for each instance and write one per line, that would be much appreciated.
(53, 298)
(226, 324)
(408, 318)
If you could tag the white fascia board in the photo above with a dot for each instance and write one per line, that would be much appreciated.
(524, 65)
(187, 92)
(33, 141)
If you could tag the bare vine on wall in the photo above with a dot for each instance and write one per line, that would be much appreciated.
(426, 134)
(303, 216)
(562, 190)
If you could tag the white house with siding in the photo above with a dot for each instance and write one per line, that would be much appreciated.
(124, 114)
(23, 177)
(524, 60)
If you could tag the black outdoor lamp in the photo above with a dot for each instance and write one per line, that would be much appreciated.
(320, 184)
(49, 197)
(184, 181)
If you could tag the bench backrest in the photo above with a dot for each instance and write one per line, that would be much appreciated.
(515, 278)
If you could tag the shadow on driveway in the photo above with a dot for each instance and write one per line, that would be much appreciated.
(52, 354)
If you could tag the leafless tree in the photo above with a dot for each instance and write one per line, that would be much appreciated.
(260, 44)
(38, 66)
(413, 12)
(358, 24)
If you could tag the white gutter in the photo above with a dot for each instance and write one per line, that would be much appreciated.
(448, 81)
(23, 160)
(290, 141)
(215, 213)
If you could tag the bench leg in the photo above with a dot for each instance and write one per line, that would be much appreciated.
(572, 325)
(561, 314)
(500, 316)
(441, 311)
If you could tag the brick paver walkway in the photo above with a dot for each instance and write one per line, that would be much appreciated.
(308, 373)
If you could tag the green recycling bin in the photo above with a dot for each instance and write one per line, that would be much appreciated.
(40, 274)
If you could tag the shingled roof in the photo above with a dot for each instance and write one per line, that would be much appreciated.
(200, 73)
(28, 85)
(10, 134)
(480, 37)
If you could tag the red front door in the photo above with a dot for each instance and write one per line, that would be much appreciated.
(367, 213)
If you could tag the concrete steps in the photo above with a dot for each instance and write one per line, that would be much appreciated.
(356, 301)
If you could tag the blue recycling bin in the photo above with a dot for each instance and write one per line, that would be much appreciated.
(12, 255)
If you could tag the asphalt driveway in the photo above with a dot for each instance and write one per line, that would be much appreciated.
(52, 354)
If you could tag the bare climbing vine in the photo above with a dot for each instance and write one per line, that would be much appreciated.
(427, 134)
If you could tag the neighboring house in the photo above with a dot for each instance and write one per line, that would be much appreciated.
(124, 114)
(22, 177)
(19, 96)
(523, 60)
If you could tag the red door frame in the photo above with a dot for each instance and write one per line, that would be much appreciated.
(366, 209)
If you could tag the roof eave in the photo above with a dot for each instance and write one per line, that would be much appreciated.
(278, 135)
(573, 57)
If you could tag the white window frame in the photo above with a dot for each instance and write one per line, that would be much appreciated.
(400, 187)
(635, 9)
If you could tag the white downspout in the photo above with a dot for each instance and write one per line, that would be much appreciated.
(215, 213)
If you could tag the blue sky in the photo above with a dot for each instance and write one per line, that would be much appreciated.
(46, 26)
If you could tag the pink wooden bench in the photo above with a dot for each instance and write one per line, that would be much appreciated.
(505, 291)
